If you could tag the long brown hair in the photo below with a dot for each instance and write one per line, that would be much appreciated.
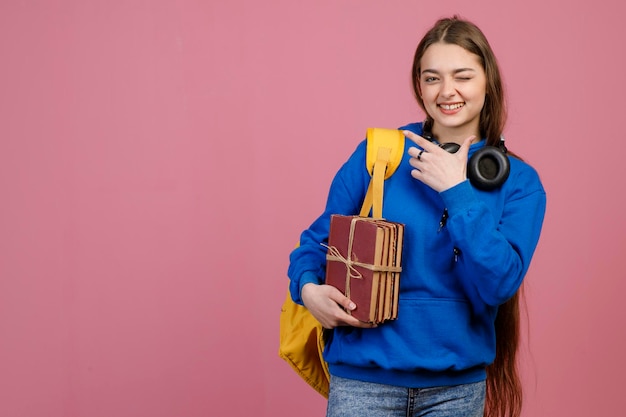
(504, 388)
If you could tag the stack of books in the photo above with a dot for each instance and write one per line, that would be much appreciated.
(364, 261)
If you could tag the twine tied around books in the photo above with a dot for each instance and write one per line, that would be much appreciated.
(351, 272)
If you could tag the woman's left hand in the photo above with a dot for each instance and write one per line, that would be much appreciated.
(436, 167)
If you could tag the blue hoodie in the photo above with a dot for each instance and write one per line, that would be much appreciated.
(454, 276)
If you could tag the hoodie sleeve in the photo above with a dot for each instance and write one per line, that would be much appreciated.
(495, 249)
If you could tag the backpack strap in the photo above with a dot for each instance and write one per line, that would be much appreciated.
(384, 138)
(385, 148)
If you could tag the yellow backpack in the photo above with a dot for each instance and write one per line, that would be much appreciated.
(302, 337)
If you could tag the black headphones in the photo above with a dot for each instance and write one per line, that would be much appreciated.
(487, 169)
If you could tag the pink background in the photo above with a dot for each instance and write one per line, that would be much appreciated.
(158, 160)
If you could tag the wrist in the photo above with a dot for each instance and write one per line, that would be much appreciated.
(308, 278)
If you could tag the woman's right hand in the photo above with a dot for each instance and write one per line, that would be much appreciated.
(328, 305)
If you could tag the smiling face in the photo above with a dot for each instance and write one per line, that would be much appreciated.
(452, 84)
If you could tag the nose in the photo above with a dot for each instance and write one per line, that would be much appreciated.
(448, 88)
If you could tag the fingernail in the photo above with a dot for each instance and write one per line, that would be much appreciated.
(352, 306)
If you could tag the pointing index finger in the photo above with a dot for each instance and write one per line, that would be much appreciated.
(420, 141)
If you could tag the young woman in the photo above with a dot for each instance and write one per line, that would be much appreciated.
(451, 351)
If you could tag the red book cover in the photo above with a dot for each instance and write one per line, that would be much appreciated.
(354, 244)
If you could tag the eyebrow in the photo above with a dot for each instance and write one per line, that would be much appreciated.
(456, 71)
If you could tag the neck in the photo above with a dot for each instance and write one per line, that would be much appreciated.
(455, 135)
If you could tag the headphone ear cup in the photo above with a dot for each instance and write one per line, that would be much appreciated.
(488, 168)
(450, 147)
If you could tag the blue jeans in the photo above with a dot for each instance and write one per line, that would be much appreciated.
(351, 398)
